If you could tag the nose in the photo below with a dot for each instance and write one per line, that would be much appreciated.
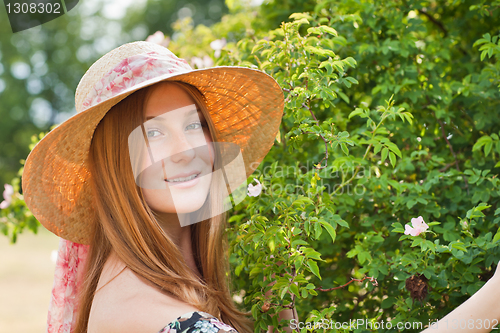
(181, 149)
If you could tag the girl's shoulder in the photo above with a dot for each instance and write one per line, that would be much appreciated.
(129, 304)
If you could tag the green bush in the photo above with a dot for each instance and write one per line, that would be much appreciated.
(409, 93)
(391, 113)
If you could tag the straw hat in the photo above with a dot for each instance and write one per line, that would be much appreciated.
(245, 107)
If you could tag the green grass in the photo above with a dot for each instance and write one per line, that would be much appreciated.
(26, 278)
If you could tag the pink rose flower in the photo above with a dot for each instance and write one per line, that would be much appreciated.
(254, 191)
(419, 226)
(217, 45)
(7, 195)
(158, 38)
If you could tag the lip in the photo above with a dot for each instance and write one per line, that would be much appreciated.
(186, 184)
(182, 175)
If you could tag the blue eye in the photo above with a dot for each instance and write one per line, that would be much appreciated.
(197, 123)
(153, 131)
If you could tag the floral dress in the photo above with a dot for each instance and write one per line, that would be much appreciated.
(197, 322)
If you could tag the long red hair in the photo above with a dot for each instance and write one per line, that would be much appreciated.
(125, 223)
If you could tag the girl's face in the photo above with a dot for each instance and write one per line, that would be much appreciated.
(179, 147)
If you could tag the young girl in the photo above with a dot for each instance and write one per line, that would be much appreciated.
(137, 184)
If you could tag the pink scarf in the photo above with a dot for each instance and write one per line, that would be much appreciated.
(68, 278)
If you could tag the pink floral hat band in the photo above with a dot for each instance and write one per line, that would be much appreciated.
(132, 71)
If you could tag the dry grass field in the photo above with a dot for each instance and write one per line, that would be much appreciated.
(26, 278)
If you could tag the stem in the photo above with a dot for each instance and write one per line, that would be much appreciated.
(364, 157)
(372, 280)
(433, 20)
(325, 140)
(443, 134)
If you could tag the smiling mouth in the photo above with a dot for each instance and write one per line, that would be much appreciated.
(182, 179)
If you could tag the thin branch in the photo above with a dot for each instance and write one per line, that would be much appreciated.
(452, 151)
(443, 169)
(325, 140)
(289, 306)
(433, 20)
(372, 280)
(440, 25)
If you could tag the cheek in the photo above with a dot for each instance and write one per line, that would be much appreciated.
(210, 151)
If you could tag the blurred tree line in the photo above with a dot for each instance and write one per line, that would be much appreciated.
(41, 67)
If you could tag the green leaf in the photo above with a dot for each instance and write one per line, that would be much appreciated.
(363, 256)
(329, 30)
(487, 148)
(298, 262)
(388, 302)
(314, 30)
(408, 117)
(343, 96)
(257, 269)
(416, 241)
(311, 253)
(351, 61)
(315, 50)
(255, 310)
(238, 269)
(392, 157)
(397, 227)
(481, 142)
(459, 246)
(352, 80)
(301, 21)
(344, 148)
(357, 111)
(317, 230)
(393, 148)
(330, 230)
(294, 289)
(340, 221)
(299, 242)
(257, 47)
(385, 151)
(313, 266)
(271, 244)
(497, 236)
(298, 16)
(283, 292)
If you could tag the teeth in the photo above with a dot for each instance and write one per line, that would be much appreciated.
(182, 179)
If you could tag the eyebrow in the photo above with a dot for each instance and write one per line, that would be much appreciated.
(187, 114)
